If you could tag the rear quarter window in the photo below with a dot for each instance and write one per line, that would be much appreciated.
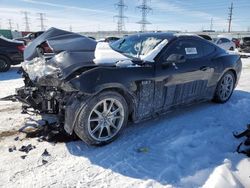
(207, 48)
(190, 49)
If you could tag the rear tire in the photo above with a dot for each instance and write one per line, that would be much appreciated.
(102, 118)
(4, 64)
(225, 88)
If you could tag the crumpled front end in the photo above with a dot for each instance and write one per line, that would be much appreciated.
(47, 85)
(42, 72)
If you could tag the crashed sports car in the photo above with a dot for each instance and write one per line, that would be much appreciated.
(94, 89)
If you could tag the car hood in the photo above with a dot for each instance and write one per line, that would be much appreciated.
(60, 40)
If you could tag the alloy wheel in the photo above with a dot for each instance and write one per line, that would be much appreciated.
(105, 119)
(226, 87)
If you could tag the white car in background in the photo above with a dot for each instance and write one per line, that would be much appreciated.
(224, 43)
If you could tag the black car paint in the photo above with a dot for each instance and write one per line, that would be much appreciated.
(158, 89)
(60, 40)
(150, 88)
(9, 50)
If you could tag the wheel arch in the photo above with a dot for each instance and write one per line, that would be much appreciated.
(77, 103)
(129, 98)
(230, 70)
(5, 56)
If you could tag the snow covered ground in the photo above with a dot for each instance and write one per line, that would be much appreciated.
(192, 147)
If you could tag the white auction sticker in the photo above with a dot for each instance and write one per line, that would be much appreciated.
(190, 51)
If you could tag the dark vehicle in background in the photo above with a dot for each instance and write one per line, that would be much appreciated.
(109, 39)
(94, 89)
(206, 37)
(245, 45)
(30, 37)
(11, 53)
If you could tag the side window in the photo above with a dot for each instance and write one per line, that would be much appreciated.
(219, 41)
(224, 40)
(190, 49)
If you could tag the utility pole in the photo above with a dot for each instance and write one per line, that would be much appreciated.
(211, 24)
(41, 18)
(26, 20)
(10, 24)
(120, 17)
(230, 17)
(145, 9)
(17, 27)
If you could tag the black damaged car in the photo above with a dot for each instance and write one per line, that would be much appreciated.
(94, 89)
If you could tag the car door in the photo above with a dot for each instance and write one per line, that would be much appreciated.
(184, 82)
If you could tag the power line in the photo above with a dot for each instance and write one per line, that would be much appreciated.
(120, 17)
(145, 9)
(42, 19)
(230, 17)
(10, 24)
(26, 20)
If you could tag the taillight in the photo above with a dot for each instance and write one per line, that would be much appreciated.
(21, 48)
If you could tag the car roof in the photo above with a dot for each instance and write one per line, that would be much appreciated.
(166, 35)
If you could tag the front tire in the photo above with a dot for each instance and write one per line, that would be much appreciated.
(225, 87)
(4, 64)
(102, 118)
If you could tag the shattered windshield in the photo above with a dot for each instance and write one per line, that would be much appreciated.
(135, 46)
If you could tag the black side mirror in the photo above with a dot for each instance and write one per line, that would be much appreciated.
(174, 58)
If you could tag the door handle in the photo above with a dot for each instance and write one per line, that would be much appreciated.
(204, 68)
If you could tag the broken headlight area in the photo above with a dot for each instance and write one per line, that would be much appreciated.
(41, 71)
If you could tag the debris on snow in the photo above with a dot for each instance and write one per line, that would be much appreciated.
(12, 148)
(27, 148)
(246, 134)
(44, 161)
(46, 153)
(23, 156)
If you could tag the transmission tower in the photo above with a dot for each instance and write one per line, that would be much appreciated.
(145, 9)
(42, 19)
(10, 24)
(120, 17)
(211, 24)
(26, 20)
(230, 17)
